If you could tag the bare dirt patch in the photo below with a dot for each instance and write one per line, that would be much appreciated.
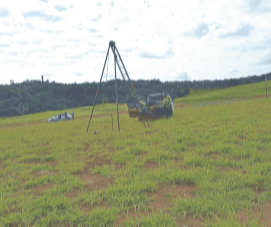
(132, 214)
(96, 181)
(2, 166)
(73, 193)
(262, 212)
(45, 145)
(91, 163)
(111, 149)
(18, 193)
(214, 155)
(225, 169)
(151, 165)
(259, 189)
(50, 162)
(99, 161)
(163, 198)
(119, 166)
(189, 221)
(43, 187)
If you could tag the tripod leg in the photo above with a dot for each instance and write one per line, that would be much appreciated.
(98, 89)
(116, 91)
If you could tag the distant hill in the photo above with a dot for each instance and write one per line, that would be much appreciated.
(36, 96)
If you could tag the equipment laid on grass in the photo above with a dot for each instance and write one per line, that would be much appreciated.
(118, 62)
(60, 117)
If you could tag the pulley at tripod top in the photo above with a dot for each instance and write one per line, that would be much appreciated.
(112, 43)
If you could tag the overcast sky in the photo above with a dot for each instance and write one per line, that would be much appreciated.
(66, 41)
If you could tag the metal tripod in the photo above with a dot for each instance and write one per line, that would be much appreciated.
(117, 61)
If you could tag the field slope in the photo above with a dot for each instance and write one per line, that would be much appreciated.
(208, 165)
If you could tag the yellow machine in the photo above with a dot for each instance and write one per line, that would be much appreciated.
(157, 105)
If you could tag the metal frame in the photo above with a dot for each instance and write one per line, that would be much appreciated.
(117, 62)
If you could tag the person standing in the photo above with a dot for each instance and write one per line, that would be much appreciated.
(72, 115)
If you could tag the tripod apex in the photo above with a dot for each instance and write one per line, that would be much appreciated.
(111, 43)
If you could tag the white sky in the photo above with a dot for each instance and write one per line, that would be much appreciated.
(66, 41)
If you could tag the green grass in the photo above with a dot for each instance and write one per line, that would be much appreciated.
(248, 91)
(49, 171)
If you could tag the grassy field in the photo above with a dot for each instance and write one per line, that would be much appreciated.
(206, 166)
(243, 92)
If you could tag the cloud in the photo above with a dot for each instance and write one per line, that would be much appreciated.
(254, 3)
(244, 30)
(44, 1)
(200, 31)
(166, 39)
(258, 6)
(60, 8)
(183, 76)
(4, 45)
(4, 13)
(144, 54)
(156, 48)
(235, 72)
(92, 30)
(41, 15)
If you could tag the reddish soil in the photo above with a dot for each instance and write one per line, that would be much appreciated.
(43, 187)
(97, 161)
(45, 145)
(189, 221)
(2, 166)
(214, 155)
(151, 165)
(17, 193)
(262, 212)
(96, 181)
(163, 200)
(73, 193)
(224, 169)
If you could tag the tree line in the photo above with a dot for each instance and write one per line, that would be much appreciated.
(38, 96)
